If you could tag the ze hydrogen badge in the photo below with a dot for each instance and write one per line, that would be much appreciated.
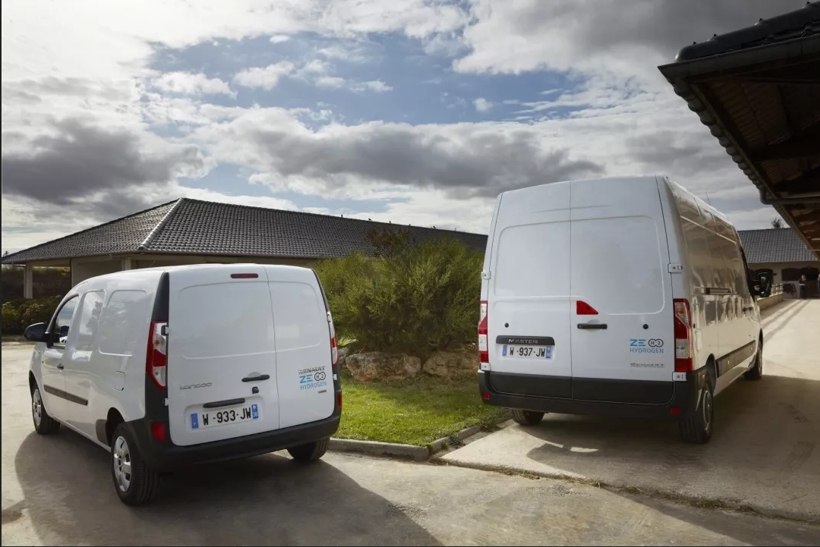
(643, 345)
(312, 378)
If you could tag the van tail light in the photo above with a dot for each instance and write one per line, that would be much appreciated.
(156, 360)
(339, 399)
(582, 308)
(683, 336)
(334, 346)
(483, 344)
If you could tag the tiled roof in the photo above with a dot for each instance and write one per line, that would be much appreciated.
(188, 226)
(118, 236)
(788, 26)
(774, 246)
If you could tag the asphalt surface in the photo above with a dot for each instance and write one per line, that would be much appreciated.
(764, 452)
(57, 490)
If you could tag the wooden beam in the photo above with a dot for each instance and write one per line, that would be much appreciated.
(805, 144)
(808, 182)
(810, 218)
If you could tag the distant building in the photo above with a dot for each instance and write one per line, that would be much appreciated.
(188, 231)
(784, 252)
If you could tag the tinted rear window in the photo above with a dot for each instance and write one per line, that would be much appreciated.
(617, 264)
(224, 319)
(532, 260)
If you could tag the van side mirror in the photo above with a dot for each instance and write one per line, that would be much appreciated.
(763, 282)
(36, 333)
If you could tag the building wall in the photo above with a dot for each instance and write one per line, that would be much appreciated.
(85, 269)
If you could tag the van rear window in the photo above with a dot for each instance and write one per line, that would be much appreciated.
(223, 319)
(617, 265)
(532, 261)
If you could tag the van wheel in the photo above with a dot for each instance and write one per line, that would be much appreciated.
(527, 417)
(43, 423)
(697, 428)
(756, 372)
(309, 452)
(135, 482)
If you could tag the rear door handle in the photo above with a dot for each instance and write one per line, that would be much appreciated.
(218, 404)
(592, 326)
(257, 378)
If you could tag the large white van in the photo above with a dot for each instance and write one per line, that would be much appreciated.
(166, 367)
(625, 297)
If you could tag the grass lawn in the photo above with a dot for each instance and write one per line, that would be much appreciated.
(416, 411)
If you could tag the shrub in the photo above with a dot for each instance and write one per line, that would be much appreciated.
(19, 314)
(11, 320)
(46, 282)
(412, 298)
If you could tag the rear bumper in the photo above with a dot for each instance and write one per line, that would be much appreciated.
(166, 455)
(684, 396)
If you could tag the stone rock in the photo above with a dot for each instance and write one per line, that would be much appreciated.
(375, 365)
(451, 365)
(343, 353)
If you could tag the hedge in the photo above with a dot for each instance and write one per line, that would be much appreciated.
(20, 313)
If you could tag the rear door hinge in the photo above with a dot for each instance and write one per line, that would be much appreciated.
(485, 275)
(675, 268)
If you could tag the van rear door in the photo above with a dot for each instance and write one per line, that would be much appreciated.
(221, 346)
(528, 293)
(622, 314)
(304, 371)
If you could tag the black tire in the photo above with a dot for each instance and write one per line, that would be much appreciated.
(43, 423)
(697, 428)
(756, 372)
(141, 485)
(309, 452)
(527, 417)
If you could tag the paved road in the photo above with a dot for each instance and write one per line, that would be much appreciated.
(765, 452)
(57, 490)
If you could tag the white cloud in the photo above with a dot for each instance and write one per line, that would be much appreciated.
(279, 38)
(376, 86)
(482, 105)
(330, 81)
(192, 84)
(266, 78)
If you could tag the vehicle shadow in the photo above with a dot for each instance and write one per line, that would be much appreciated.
(267, 500)
(763, 451)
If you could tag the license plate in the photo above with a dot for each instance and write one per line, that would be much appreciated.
(203, 420)
(527, 352)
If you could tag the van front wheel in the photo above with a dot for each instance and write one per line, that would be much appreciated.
(309, 452)
(527, 417)
(697, 428)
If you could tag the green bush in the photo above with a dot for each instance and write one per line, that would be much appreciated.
(11, 320)
(411, 298)
(19, 314)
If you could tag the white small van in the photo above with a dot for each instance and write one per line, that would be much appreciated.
(167, 367)
(624, 297)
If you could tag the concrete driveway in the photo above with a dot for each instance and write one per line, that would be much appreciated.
(764, 452)
(57, 491)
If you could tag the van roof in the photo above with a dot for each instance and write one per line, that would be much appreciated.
(156, 272)
(700, 202)
(574, 181)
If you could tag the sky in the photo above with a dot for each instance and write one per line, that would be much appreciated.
(412, 111)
